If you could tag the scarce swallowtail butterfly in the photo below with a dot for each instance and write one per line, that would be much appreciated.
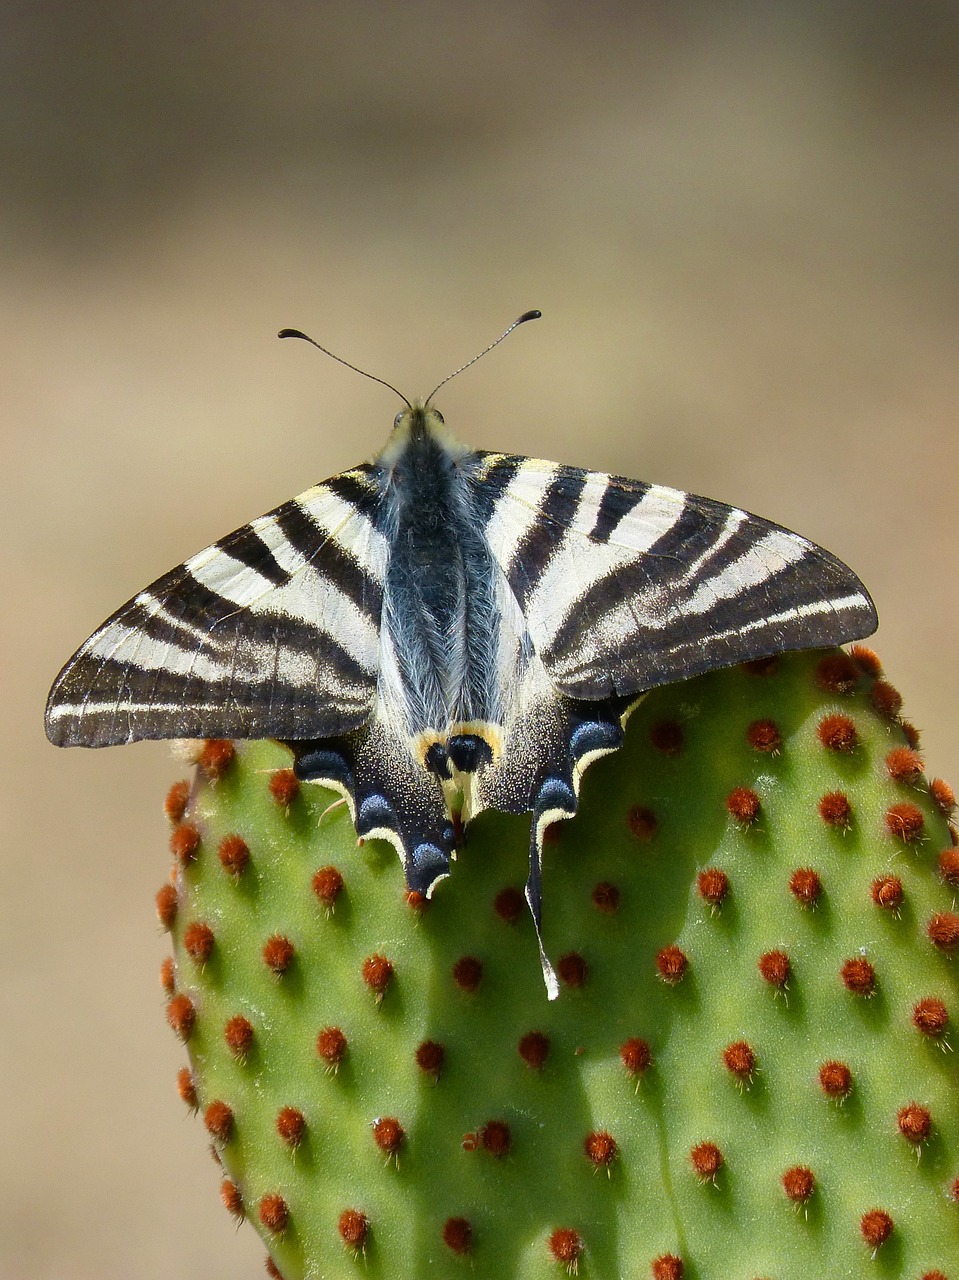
(444, 630)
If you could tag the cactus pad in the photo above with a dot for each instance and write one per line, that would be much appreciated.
(748, 1073)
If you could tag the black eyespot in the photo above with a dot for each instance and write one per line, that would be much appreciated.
(439, 415)
(398, 419)
(437, 761)
(468, 751)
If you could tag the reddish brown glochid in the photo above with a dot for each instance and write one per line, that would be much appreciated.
(764, 736)
(430, 1056)
(328, 885)
(930, 1016)
(177, 799)
(566, 1247)
(331, 1046)
(712, 885)
(886, 892)
(274, 1213)
(353, 1227)
(284, 787)
(291, 1126)
(739, 1059)
(215, 757)
(238, 1034)
(836, 810)
(858, 976)
(672, 963)
(837, 673)
(806, 886)
(775, 968)
(458, 1235)
(838, 733)
(743, 806)
(835, 1079)
(184, 843)
(798, 1183)
(533, 1048)
(278, 953)
(707, 1160)
(234, 855)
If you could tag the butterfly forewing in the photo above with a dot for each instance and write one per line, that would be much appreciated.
(626, 586)
(274, 631)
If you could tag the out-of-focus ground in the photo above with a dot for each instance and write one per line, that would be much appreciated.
(741, 223)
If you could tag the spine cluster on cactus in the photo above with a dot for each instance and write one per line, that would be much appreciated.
(748, 1070)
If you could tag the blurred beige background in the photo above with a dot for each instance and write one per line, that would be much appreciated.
(742, 224)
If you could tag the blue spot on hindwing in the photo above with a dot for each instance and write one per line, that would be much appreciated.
(323, 764)
(555, 793)
(374, 811)
(427, 863)
(595, 735)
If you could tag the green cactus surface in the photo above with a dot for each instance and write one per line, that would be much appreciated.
(749, 1072)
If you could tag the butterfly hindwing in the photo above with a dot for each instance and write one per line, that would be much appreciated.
(271, 632)
(391, 797)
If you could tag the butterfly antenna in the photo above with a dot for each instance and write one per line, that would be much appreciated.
(298, 333)
(527, 315)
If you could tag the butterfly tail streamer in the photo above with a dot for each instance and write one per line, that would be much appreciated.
(555, 738)
(534, 900)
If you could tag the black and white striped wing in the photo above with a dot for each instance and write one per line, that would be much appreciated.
(274, 631)
(625, 586)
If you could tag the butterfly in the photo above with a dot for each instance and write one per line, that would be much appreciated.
(444, 630)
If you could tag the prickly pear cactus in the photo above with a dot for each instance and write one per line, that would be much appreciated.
(748, 1073)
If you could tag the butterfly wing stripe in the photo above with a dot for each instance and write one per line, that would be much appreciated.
(251, 562)
(632, 631)
(758, 564)
(555, 584)
(146, 614)
(723, 548)
(657, 600)
(354, 567)
(545, 534)
(247, 546)
(670, 578)
(618, 500)
(292, 712)
(810, 625)
(228, 578)
(563, 582)
(595, 487)
(489, 475)
(241, 648)
(157, 624)
(298, 695)
(315, 612)
(510, 519)
(357, 489)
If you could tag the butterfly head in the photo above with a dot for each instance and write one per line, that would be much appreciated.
(417, 426)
